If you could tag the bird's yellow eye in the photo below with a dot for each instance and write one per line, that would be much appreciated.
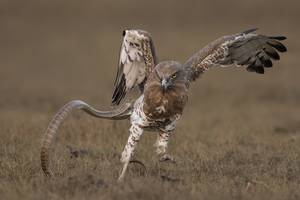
(174, 76)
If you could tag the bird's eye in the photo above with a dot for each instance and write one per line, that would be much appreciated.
(124, 33)
(174, 76)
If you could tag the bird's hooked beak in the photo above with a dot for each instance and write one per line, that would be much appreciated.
(165, 83)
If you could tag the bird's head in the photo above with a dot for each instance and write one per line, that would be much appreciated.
(169, 74)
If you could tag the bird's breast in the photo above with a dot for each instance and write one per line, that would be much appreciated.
(161, 105)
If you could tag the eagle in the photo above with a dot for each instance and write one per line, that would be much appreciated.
(164, 86)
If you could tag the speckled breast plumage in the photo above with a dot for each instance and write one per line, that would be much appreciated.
(140, 118)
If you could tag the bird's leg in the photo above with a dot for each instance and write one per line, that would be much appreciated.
(135, 133)
(162, 145)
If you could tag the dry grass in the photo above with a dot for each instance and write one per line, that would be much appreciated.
(239, 137)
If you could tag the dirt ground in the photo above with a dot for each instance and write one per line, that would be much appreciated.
(239, 137)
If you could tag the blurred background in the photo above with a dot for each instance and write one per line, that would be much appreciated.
(54, 51)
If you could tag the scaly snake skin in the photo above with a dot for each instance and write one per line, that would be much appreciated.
(122, 112)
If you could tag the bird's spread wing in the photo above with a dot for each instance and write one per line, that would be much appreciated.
(136, 61)
(245, 49)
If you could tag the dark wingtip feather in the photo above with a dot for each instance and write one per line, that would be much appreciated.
(273, 54)
(259, 70)
(250, 30)
(278, 37)
(256, 66)
(278, 46)
(251, 67)
(267, 63)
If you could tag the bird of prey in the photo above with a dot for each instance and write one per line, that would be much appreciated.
(164, 85)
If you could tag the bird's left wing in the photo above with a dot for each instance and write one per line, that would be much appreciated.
(136, 61)
(245, 49)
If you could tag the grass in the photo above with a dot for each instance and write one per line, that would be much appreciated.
(218, 161)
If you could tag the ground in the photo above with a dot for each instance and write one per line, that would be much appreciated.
(239, 137)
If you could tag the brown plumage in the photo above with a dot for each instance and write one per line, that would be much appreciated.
(164, 103)
(164, 86)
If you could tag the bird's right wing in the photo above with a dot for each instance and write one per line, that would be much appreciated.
(244, 49)
(136, 61)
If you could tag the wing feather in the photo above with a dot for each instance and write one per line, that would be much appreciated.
(245, 49)
(136, 61)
